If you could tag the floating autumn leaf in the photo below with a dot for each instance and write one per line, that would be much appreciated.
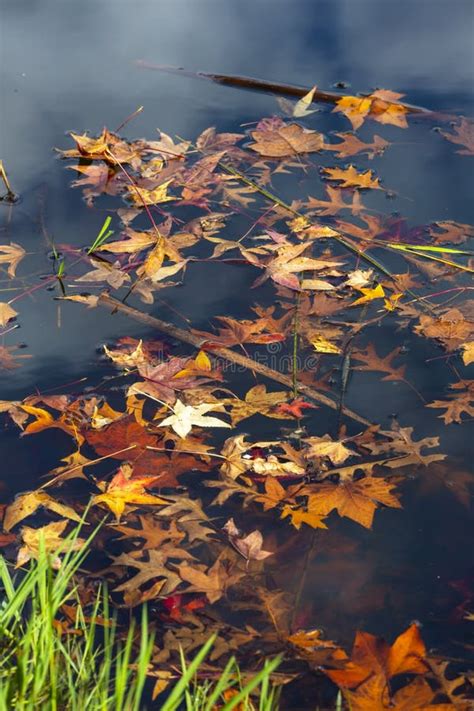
(12, 255)
(257, 401)
(135, 242)
(351, 145)
(162, 381)
(233, 448)
(350, 178)
(185, 416)
(283, 268)
(452, 329)
(280, 140)
(322, 345)
(73, 468)
(151, 568)
(27, 504)
(236, 332)
(274, 494)
(6, 313)
(359, 278)
(294, 408)
(382, 106)
(14, 410)
(44, 420)
(301, 107)
(47, 538)
(96, 179)
(467, 352)
(369, 294)
(460, 402)
(317, 651)
(300, 515)
(335, 203)
(141, 196)
(126, 359)
(108, 147)
(450, 231)
(213, 582)
(373, 657)
(274, 466)
(124, 489)
(372, 361)
(9, 358)
(355, 108)
(409, 452)
(336, 451)
(250, 546)
(463, 135)
(152, 531)
(108, 273)
(391, 303)
(190, 517)
(356, 500)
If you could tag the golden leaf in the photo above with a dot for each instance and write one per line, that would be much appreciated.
(6, 313)
(369, 295)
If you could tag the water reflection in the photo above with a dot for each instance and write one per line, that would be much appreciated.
(70, 66)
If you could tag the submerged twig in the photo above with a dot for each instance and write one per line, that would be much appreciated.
(226, 354)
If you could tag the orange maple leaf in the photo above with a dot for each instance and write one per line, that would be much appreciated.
(125, 489)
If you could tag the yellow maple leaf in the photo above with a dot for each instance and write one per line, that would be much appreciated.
(123, 490)
(369, 295)
(140, 196)
(468, 352)
(321, 345)
(355, 108)
(391, 303)
(300, 516)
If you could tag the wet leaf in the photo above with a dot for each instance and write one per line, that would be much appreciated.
(185, 416)
(213, 582)
(322, 345)
(141, 196)
(350, 145)
(373, 657)
(381, 106)
(335, 203)
(467, 352)
(12, 255)
(282, 140)
(452, 329)
(356, 500)
(250, 546)
(460, 402)
(124, 489)
(48, 537)
(463, 135)
(337, 452)
(369, 294)
(257, 401)
(301, 107)
(6, 313)
(27, 504)
(350, 178)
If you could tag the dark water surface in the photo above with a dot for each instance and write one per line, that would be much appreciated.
(70, 66)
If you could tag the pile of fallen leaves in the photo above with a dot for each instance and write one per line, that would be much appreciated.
(199, 522)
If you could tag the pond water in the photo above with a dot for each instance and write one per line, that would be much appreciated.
(72, 66)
